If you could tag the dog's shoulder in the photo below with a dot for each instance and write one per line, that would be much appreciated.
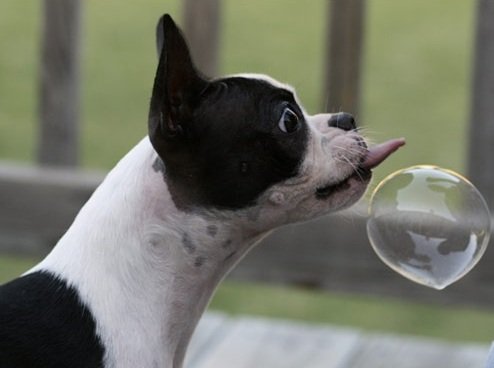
(43, 323)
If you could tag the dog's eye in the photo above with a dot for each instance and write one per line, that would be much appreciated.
(289, 121)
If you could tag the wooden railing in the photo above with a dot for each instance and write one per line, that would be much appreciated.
(59, 70)
(37, 205)
(332, 253)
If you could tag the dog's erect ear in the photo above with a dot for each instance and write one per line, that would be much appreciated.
(160, 34)
(177, 85)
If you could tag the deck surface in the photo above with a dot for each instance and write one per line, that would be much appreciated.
(221, 341)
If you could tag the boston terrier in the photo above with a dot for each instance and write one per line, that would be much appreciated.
(226, 161)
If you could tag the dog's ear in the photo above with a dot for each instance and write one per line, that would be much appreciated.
(160, 34)
(177, 86)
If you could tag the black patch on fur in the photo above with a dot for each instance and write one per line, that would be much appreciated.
(212, 230)
(43, 324)
(188, 244)
(232, 150)
(199, 261)
(227, 244)
(159, 166)
(219, 140)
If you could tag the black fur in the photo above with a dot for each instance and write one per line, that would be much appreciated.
(43, 324)
(220, 140)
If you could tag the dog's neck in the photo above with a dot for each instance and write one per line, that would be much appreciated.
(145, 269)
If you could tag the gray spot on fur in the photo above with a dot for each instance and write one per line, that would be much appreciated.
(227, 243)
(199, 261)
(254, 213)
(159, 166)
(212, 230)
(188, 244)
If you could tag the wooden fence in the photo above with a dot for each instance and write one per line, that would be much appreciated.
(481, 128)
(37, 205)
(332, 253)
(59, 105)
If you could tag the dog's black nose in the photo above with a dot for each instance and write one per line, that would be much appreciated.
(343, 121)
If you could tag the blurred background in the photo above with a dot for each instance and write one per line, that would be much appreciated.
(412, 74)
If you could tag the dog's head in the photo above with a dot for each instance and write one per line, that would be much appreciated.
(246, 143)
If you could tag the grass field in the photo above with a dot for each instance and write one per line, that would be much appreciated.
(415, 84)
(415, 70)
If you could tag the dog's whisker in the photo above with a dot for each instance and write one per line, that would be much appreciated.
(350, 151)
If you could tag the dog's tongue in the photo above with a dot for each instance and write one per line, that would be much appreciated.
(380, 152)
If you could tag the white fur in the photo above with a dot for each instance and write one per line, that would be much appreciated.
(273, 82)
(125, 251)
(265, 78)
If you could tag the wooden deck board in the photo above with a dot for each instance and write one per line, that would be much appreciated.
(382, 351)
(246, 342)
(211, 330)
(253, 342)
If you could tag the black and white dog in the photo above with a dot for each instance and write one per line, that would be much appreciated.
(226, 161)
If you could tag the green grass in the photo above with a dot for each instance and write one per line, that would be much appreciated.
(416, 70)
(415, 83)
(13, 266)
(416, 78)
(368, 313)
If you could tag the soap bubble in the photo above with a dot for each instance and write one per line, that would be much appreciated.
(429, 224)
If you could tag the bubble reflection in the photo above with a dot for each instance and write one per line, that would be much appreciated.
(429, 224)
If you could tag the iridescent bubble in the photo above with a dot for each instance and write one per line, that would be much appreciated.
(429, 224)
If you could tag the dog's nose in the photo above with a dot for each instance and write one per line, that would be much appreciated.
(343, 121)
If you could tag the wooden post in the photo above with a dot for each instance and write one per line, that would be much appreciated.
(59, 83)
(343, 55)
(481, 130)
(202, 29)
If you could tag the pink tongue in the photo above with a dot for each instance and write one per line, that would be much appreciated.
(380, 152)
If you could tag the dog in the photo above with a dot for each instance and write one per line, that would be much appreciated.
(225, 162)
